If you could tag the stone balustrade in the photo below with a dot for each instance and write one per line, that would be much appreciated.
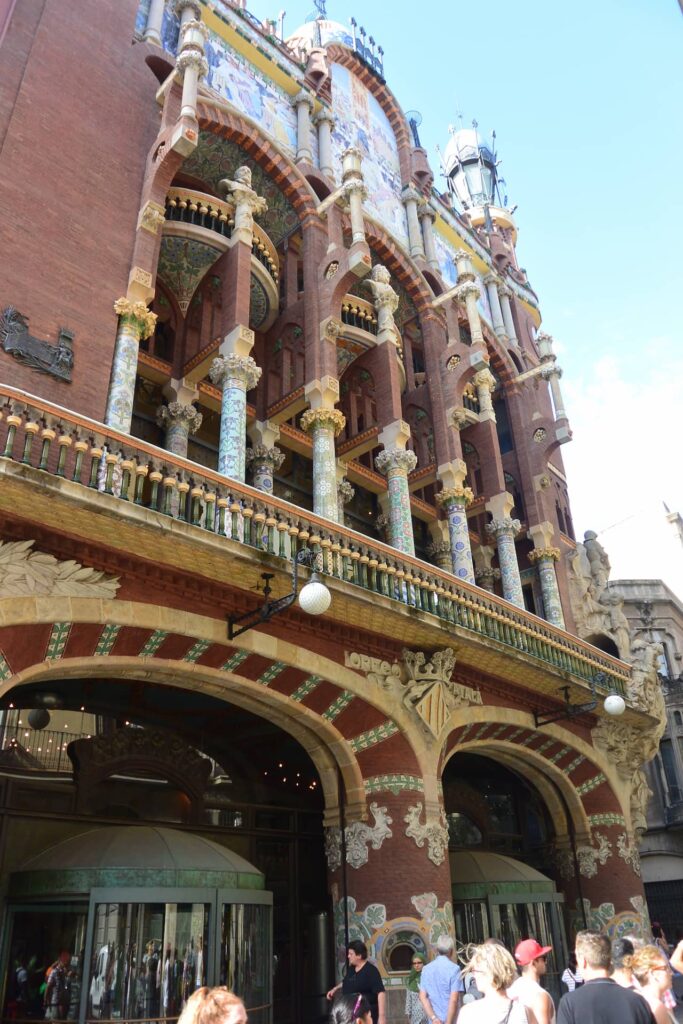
(45, 437)
(358, 313)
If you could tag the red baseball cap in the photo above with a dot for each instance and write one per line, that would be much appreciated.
(529, 950)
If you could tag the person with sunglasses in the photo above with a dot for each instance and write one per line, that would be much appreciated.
(531, 958)
(414, 1009)
(652, 971)
(494, 970)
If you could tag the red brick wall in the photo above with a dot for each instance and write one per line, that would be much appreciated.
(77, 117)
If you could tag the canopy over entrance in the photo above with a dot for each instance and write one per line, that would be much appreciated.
(477, 875)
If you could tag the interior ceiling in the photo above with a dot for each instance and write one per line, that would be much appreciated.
(216, 728)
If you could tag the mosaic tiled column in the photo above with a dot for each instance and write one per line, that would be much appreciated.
(454, 502)
(179, 421)
(505, 530)
(264, 462)
(136, 323)
(235, 375)
(544, 559)
(324, 425)
(396, 464)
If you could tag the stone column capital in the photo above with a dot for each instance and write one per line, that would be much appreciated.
(330, 419)
(237, 368)
(325, 116)
(486, 574)
(402, 459)
(193, 33)
(303, 97)
(506, 525)
(467, 288)
(544, 554)
(492, 280)
(178, 6)
(345, 491)
(425, 212)
(504, 290)
(177, 413)
(261, 453)
(457, 495)
(137, 316)
(192, 59)
(354, 186)
(484, 379)
(551, 370)
(411, 194)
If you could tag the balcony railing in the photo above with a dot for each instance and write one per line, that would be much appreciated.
(188, 206)
(358, 313)
(46, 747)
(61, 443)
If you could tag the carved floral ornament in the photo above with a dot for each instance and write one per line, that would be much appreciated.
(539, 554)
(358, 837)
(422, 683)
(588, 857)
(137, 316)
(26, 573)
(434, 833)
(330, 419)
(457, 495)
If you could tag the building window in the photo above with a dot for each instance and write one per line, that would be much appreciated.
(669, 764)
(503, 428)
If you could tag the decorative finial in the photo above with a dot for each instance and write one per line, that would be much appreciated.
(321, 5)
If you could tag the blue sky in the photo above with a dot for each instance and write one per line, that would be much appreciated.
(586, 100)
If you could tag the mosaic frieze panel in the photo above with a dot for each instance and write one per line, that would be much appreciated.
(216, 158)
(360, 121)
(445, 253)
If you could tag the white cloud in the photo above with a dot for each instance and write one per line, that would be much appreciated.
(625, 460)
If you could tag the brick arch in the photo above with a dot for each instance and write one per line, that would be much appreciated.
(400, 266)
(337, 54)
(277, 166)
(325, 711)
(577, 770)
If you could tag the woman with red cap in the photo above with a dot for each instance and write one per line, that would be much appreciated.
(531, 958)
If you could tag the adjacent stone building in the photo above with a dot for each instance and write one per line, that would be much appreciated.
(245, 339)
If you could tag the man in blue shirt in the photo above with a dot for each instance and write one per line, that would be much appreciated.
(441, 985)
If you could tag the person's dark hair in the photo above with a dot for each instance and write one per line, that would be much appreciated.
(622, 953)
(346, 1009)
(359, 948)
(571, 963)
(656, 930)
(596, 948)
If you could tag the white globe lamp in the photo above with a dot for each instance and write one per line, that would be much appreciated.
(314, 597)
(614, 704)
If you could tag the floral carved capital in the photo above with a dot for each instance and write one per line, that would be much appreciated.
(396, 458)
(137, 316)
(272, 457)
(176, 412)
(458, 495)
(434, 834)
(241, 369)
(544, 554)
(328, 419)
(496, 526)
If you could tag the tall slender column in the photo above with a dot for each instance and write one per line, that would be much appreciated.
(491, 283)
(410, 198)
(396, 462)
(504, 294)
(236, 373)
(427, 217)
(355, 191)
(324, 425)
(187, 10)
(191, 60)
(154, 21)
(303, 104)
(454, 499)
(248, 204)
(324, 121)
(136, 323)
(485, 383)
(484, 572)
(504, 529)
(468, 292)
(544, 556)
(179, 421)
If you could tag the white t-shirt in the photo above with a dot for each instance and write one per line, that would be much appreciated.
(527, 990)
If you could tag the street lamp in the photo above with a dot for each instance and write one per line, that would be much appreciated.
(314, 598)
(614, 704)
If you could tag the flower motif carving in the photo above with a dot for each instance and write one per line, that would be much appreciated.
(627, 848)
(497, 526)
(588, 857)
(272, 457)
(330, 419)
(240, 369)
(538, 554)
(359, 836)
(176, 412)
(396, 459)
(137, 316)
(434, 834)
(458, 495)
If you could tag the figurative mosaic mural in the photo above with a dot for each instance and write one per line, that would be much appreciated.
(360, 121)
(216, 158)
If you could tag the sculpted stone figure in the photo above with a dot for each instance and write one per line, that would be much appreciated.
(247, 203)
(645, 689)
(598, 561)
(385, 300)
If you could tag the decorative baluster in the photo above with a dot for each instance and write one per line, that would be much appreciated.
(210, 511)
(13, 421)
(64, 441)
(80, 447)
(247, 514)
(223, 504)
(235, 510)
(156, 476)
(168, 485)
(363, 568)
(127, 472)
(31, 428)
(183, 489)
(48, 434)
(141, 472)
(111, 461)
(282, 538)
(196, 494)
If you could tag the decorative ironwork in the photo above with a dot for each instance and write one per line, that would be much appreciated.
(57, 360)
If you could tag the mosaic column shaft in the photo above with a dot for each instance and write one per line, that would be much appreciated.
(235, 375)
(396, 464)
(545, 559)
(324, 425)
(178, 421)
(454, 501)
(136, 323)
(264, 463)
(504, 531)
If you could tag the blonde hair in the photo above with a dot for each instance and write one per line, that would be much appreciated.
(646, 959)
(495, 961)
(210, 1006)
